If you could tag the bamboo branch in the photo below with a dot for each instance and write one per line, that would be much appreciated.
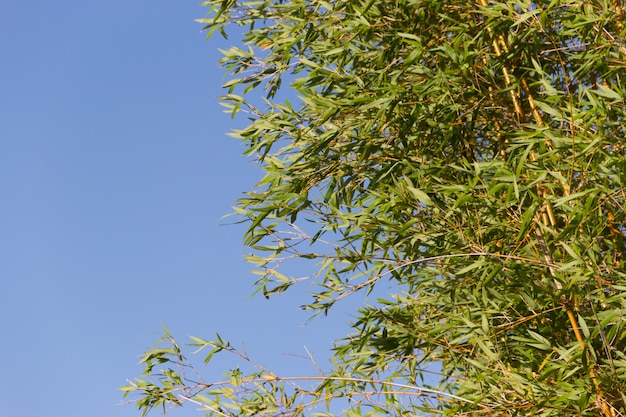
(548, 214)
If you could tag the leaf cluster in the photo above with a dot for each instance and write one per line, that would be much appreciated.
(469, 152)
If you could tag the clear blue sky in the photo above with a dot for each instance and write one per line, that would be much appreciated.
(115, 170)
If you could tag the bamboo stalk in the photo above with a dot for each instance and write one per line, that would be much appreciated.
(547, 215)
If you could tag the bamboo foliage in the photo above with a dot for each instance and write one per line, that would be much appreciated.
(470, 153)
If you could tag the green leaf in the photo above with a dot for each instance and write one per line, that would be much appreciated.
(421, 196)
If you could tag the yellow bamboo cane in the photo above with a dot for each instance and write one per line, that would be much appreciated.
(547, 215)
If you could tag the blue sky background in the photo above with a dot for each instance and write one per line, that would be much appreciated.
(115, 170)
